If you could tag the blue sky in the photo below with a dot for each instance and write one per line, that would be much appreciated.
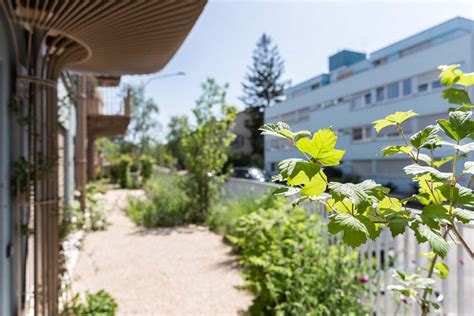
(307, 32)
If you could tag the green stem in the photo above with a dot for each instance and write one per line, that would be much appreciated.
(400, 130)
(462, 241)
(425, 308)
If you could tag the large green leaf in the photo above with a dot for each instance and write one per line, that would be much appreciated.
(356, 229)
(278, 129)
(463, 215)
(395, 150)
(395, 214)
(321, 147)
(309, 176)
(426, 138)
(416, 169)
(287, 166)
(450, 75)
(461, 195)
(469, 167)
(433, 214)
(437, 243)
(429, 190)
(392, 119)
(353, 192)
(465, 148)
(456, 96)
(458, 126)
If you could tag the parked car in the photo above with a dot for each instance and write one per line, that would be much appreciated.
(249, 173)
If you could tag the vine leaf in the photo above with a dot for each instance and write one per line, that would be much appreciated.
(463, 215)
(433, 214)
(442, 269)
(461, 195)
(353, 192)
(395, 150)
(458, 126)
(437, 243)
(416, 169)
(426, 138)
(278, 129)
(393, 119)
(469, 167)
(321, 147)
(450, 75)
(356, 229)
(456, 96)
(310, 176)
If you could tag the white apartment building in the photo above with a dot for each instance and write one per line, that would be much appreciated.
(360, 89)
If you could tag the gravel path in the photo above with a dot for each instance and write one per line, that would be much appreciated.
(179, 271)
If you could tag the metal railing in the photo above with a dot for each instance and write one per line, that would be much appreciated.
(387, 254)
(110, 101)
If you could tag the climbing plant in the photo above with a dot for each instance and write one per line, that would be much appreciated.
(360, 210)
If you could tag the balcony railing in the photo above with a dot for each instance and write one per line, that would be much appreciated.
(113, 101)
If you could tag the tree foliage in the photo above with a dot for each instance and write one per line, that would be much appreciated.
(262, 87)
(359, 211)
(206, 148)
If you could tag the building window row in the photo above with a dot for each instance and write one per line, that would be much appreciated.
(298, 116)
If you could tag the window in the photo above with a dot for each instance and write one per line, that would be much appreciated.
(436, 84)
(273, 166)
(407, 86)
(393, 90)
(303, 114)
(423, 87)
(357, 102)
(315, 86)
(380, 94)
(340, 100)
(368, 98)
(362, 133)
(357, 133)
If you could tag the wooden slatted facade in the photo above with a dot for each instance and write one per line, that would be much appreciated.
(100, 37)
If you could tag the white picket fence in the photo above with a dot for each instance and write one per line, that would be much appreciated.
(386, 254)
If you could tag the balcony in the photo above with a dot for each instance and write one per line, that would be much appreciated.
(108, 111)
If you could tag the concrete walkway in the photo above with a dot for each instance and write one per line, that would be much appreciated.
(179, 271)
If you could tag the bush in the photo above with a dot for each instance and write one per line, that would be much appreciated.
(124, 168)
(146, 167)
(100, 303)
(165, 204)
(223, 217)
(292, 270)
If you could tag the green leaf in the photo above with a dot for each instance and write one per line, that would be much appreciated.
(353, 192)
(393, 119)
(450, 75)
(442, 270)
(462, 148)
(429, 190)
(278, 129)
(321, 147)
(287, 166)
(469, 167)
(463, 215)
(394, 150)
(301, 134)
(456, 96)
(437, 243)
(433, 214)
(310, 176)
(461, 195)
(416, 169)
(286, 191)
(465, 107)
(458, 126)
(356, 229)
(443, 161)
(397, 218)
(425, 138)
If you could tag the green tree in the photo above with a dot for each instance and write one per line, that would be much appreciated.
(178, 127)
(206, 148)
(359, 211)
(262, 88)
(144, 126)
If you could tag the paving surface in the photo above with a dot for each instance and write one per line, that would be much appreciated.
(179, 271)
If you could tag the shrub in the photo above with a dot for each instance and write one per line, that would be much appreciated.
(146, 167)
(165, 204)
(124, 168)
(99, 303)
(223, 217)
(292, 270)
